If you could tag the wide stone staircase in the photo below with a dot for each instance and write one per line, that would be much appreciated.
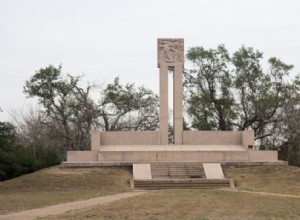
(179, 175)
(177, 170)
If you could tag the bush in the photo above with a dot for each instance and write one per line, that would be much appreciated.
(17, 159)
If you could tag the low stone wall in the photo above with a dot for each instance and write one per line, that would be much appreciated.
(245, 138)
(263, 155)
(82, 156)
(124, 138)
(212, 137)
(248, 139)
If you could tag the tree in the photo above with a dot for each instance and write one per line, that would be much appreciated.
(69, 113)
(234, 92)
(128, 108)
(17, 159)
(261, 95)
(7, 142)
(290, 128)
(69, 109)
(38, 137)
(210, 100)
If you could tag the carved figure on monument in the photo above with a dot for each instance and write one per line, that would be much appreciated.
(170, 51)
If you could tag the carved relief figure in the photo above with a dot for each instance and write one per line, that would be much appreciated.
(170, 50)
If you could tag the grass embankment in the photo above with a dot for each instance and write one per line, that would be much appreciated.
(273, 179)
(192, 204)
(211, 204)
(54, 185)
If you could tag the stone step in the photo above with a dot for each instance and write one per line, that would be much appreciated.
(181, 183)
(177, 170)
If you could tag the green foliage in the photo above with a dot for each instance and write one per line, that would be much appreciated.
(290, 151)
(261, 95)
(210, 101)
(17, 159)
(227, 92)
(70, 113)
(128, 108)
(69, 109)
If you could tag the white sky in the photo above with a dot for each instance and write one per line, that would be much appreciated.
(105, 39)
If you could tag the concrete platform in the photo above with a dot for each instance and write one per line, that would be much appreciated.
(84, 164)
(170, 148)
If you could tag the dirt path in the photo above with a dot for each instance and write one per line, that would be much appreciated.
(61, 208)
(263, 193)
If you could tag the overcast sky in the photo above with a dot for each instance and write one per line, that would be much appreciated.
(105, 39)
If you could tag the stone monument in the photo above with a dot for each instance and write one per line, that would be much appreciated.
(130, 147)
(170, 54)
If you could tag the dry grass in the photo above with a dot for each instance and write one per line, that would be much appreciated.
(62, 185)
(275, 179)
(210, 204)
(192, 204)
(55, 185)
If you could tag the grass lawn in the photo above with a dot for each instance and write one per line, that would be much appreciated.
(210, 204)
(275, 179)
(54, 185)
(192, 204)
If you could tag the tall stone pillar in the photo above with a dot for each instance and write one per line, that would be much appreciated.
(163, 103)
(171, 56)
(178, 104)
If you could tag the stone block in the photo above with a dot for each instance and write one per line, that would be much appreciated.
(137, 156)
(212, 137)
(213, 156)
(163, 106)
(164, 131)
(163, 79)
(213, 171)
(95, 140)
(263, 155)
(178, 129)
(178, 83)
(170, 51)
(177, 156)
(130, 138)
(79, 156)
(141, 171)
(160, 156)
(178, 105)
(236, 156)
(111, 156)
(248, 139)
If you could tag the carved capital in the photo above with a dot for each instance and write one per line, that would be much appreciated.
(170, 51)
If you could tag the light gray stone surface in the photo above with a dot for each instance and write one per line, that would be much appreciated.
(170, 51)
(213, 171)
(163, 104)
(73, 156)
(212, 138)
(171, 148)
(248, 138)
(141, 172)
(263, 155)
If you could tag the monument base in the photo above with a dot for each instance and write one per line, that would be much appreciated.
(126, 154)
